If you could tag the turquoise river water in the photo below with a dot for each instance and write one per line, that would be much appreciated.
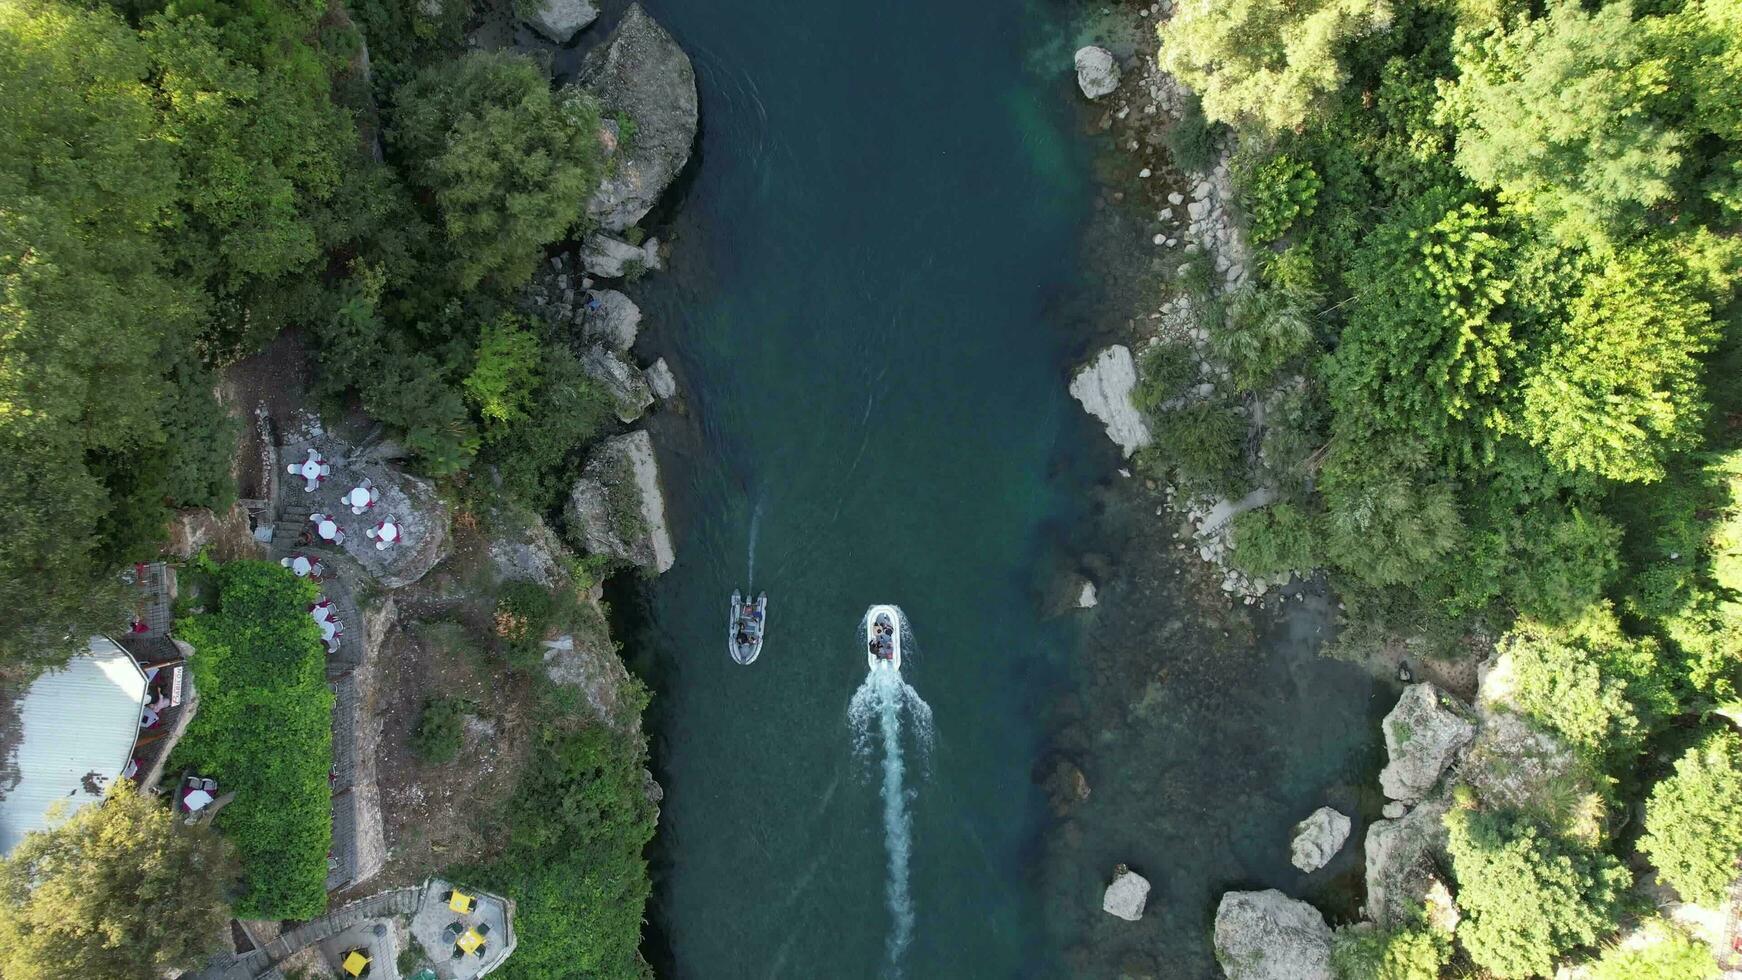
(874, 299)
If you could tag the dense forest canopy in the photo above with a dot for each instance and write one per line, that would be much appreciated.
(186, 181)
(1511, 231)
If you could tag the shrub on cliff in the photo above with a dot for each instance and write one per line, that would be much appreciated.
(1660, 952)
(1693, 820)
(1413, 953)
(1275, 539)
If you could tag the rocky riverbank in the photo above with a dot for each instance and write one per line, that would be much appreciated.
(1223, 759)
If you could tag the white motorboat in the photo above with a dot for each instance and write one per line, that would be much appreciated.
(883, 638)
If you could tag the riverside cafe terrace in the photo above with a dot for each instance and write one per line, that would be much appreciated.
(75, 730)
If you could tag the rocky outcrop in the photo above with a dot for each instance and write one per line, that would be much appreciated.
(614, 322)
(1065, 787)
(1422, 735)
(613, 258)
(1104, 387)
(1127, 895)
(617, 509)
(622, 381)
(1318, 838)
(423, 522)
(1402, 858)
(1268, 936)
(641, 76)
(561, 20)
(1515, 765)
(532, 554)
(1097, 73)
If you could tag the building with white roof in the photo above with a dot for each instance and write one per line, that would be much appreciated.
(69, 737)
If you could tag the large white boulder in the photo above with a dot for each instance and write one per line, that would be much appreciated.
(1268, 936)
(561, 20)
(614, 322)
(1318, 838)
(613, 258)
(617, 509)
(1127, 895)
(1401, 858)
(1104, 386)
(1097, 72)
(1422, 735)
(642, 76)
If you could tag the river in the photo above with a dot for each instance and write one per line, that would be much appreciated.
(874, 299)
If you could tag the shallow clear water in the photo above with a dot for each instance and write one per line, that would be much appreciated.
(868, 309)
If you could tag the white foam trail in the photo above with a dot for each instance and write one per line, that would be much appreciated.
(755, 524)
(876, 714)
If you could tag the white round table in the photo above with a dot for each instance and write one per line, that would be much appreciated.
(327, 530)
(301, 566)
(311, 469)
(358, 498)
(389, 532)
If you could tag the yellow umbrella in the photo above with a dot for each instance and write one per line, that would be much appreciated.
(356, 962)
(470, 941)
(460, 902)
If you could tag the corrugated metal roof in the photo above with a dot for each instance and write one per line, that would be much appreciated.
(78, 726)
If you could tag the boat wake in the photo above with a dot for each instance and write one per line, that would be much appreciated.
(877, 714)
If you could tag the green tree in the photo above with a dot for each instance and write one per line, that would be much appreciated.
(1426, 347)
(1527, 895)
(510, 166)
(1618, 389)
(1570, 111)
(1264, 330)
(1275, 539)
(118, 891)
(245, 98)
(1693, 820)
(1264, 62)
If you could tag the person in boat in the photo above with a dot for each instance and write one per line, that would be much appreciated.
(743, 638)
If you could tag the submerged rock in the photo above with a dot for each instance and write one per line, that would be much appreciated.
(1318, 838)
(561, 20)
(1097, 73)
(1127, 895)
(1402, 855)
(660, 379)
(630, 393)
(1088, 597)
(1268, 936)
(1422, 734)
(615, 322)
(617, 509)
(1065, 786)
(1104, 387)
(641, 76)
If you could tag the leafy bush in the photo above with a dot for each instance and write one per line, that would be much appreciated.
(1414, 953)
(1275, 539)
(264, 731)
(441, 729)
(504, 371)
(576, 828)
(1275, 194)
(1191, 141)
(1263, 331)
(1383, 525)
(1693, 820)
(1664, 952)
(537, 455)
(1203, 443)
(1528, 896)
(526, 613)
(1165, 371)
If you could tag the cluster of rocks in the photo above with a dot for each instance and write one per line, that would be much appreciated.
(617, 509)
(602, 325)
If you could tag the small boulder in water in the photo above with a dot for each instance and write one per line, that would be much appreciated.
(1127, 895)
(561, 20)
(1318, 838)
(1097, 74)
(1105, 387)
